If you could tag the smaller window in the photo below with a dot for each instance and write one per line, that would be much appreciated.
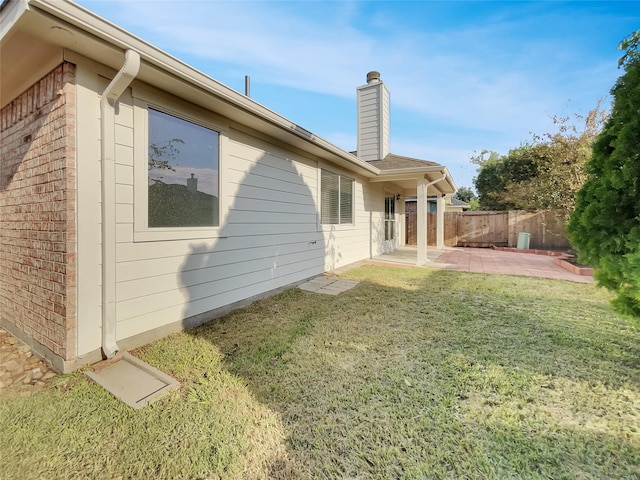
(389, 217)
(336, 199)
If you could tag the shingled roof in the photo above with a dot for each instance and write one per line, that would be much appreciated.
(456, 202)
(393, 162)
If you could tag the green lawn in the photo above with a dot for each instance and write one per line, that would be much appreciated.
(415, 373)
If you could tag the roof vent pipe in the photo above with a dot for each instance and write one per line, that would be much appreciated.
(373, 77)
(247, 85)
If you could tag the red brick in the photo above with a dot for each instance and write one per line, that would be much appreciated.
(37, 208)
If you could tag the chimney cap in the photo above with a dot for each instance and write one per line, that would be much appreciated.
(373, 77)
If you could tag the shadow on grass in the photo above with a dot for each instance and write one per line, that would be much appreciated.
(548, 327)
(420, 373)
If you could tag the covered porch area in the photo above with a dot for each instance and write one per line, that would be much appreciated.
(406, 255)
(409, 177)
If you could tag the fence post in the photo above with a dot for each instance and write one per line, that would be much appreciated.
(512, 220)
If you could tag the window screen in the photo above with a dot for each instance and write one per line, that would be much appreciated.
(336, 198)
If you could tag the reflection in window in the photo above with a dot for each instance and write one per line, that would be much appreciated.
(183, 173)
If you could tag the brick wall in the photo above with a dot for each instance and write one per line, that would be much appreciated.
(37, 213)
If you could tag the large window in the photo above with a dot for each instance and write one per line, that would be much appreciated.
(389, 217)
(336, 202)
(183, 160)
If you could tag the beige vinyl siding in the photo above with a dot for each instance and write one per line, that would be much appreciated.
(89, 302)
(129, 253)
(124, 159)
(269, 235)
(345, 244)
(267, 238)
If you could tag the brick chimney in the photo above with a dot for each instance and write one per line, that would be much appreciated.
(192, 184)
(373, 119)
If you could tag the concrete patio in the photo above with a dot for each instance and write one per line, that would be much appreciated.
(484, 260)
(406, 255)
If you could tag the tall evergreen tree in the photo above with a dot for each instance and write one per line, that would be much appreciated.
(605, 226)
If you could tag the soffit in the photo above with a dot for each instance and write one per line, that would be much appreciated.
(409, 183)
(406, 172)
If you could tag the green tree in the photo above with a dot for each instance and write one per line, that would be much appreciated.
(559, 158)
(496, 173)
(465, 194)
(474, 205)
(605, 227)
(544, 174)
(489, 182)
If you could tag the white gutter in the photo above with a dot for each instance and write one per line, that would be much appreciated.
(413, 170)
(399, 174)
(108, 102)
(433, 182)
(93, 24)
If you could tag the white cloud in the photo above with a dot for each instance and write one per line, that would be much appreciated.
(463, 76)
(488, 84)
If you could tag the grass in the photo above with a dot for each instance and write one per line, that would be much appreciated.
(413, 374)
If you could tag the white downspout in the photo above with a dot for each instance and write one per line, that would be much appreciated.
(422, 200)
(108, 102)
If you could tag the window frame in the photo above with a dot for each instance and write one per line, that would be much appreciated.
(195, 115)
(339, 176)
(389, 217)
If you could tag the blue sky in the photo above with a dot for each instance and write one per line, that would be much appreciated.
(463, 76)
(190, 149)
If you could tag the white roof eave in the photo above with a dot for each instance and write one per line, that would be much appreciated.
(430, 172)
(414, 170)
(91, 24)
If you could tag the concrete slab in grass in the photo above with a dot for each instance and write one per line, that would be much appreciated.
(133, 381)
(328, 285)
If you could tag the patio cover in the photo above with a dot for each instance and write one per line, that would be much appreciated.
(418, 178)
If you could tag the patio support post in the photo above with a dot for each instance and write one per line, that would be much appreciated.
(402, 222)
(423, 188)
(440, 222)
(422, 221)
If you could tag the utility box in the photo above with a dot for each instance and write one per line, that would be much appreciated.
(523, 240)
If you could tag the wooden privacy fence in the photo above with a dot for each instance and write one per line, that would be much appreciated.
(484, 229)
(489, 228)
